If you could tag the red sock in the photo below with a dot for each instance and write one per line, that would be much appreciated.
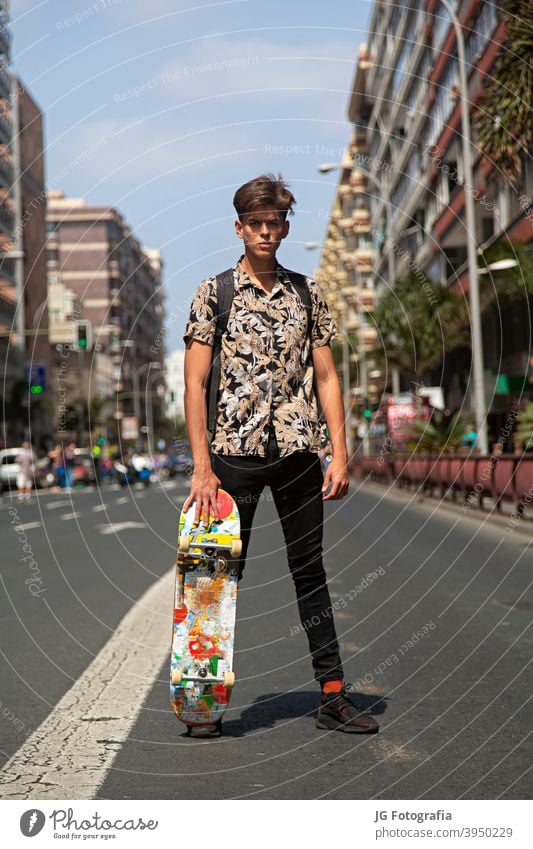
(332, 686)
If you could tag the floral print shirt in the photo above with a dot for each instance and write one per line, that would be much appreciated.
(266, 372)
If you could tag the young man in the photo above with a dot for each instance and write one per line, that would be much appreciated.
(267, 430)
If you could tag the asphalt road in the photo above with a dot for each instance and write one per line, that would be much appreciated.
(436, 643)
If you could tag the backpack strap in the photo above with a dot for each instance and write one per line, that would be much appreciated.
(299, 281)
(224, 302)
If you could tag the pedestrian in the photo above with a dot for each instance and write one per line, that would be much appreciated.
(25, 461)
(265, 422)
(69, 455)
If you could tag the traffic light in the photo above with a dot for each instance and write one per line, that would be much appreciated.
(83, 335)
(367, 412)
(36, 376)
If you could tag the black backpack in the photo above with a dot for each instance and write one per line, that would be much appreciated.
(224, 302)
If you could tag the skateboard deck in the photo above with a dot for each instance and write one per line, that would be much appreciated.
(205, 599)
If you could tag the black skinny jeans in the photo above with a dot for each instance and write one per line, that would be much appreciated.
(296, 482)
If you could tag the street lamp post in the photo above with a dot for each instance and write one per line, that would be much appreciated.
(478, 370)
(136, 393)
(149, 406)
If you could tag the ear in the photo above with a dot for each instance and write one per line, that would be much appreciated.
(286, 228)
(239, 228)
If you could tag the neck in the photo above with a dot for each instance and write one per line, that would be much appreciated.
(262, 269)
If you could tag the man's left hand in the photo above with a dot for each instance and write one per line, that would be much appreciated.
(337, 475)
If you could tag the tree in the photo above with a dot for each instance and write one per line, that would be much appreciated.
(418, 321)
(441, 434)
(504, 121)
(524, 428)
(510, 285)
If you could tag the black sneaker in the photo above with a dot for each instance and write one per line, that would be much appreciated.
(337, 713)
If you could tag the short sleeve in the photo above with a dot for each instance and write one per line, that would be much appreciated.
(324, 328)
(202, 318)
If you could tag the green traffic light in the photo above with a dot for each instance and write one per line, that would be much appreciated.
(367, 414)
(36, 390)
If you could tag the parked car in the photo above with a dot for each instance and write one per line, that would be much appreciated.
(9, 468)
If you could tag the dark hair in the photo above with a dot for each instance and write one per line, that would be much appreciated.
(262, 192)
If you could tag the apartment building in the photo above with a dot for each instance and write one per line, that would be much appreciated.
(12, 343)
(31, 192)
(117, 285)
(406, 118)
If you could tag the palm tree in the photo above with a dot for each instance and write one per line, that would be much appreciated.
(504, 121)
(441, 434)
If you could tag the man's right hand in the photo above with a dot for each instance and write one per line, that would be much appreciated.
(204, 486)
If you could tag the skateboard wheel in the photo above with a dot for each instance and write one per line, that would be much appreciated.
(184, 543)
(236, 548)
(176, 677)
(229, 679)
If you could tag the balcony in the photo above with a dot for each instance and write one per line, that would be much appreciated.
(358, 181)
(7, 175)
(366, 300)
(5, 40)
(5, 83)
(361, 221)
(7, 220)
(6, 130)
(369, 337)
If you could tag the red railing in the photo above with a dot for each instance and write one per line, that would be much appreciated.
(472, 478)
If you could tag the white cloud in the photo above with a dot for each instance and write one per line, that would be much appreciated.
(104, 151)
(138, 11)
(216, 66)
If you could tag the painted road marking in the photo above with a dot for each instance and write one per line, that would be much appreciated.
(70, 754)
(29, 525)
(100, 507)
(67, 516)
(122, 500)
(58, 504)
(119, 526)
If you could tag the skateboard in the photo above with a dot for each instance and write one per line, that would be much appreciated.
(205, 599)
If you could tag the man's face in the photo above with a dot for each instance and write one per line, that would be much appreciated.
(262, 232)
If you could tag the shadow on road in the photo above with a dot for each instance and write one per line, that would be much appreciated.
(271, 708)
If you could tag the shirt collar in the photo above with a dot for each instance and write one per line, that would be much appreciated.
(242, 279)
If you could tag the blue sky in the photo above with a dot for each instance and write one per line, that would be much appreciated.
(173, 104)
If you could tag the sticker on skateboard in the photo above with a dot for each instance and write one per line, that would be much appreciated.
(205, 599)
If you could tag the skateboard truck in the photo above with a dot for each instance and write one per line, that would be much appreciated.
(180, 678)
(210, 548)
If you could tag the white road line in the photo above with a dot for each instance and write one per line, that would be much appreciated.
(58, 504)
(29, 525)
(122, 500)
(70, 754)
(115, 527)
(100, 507)
(67, 516)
